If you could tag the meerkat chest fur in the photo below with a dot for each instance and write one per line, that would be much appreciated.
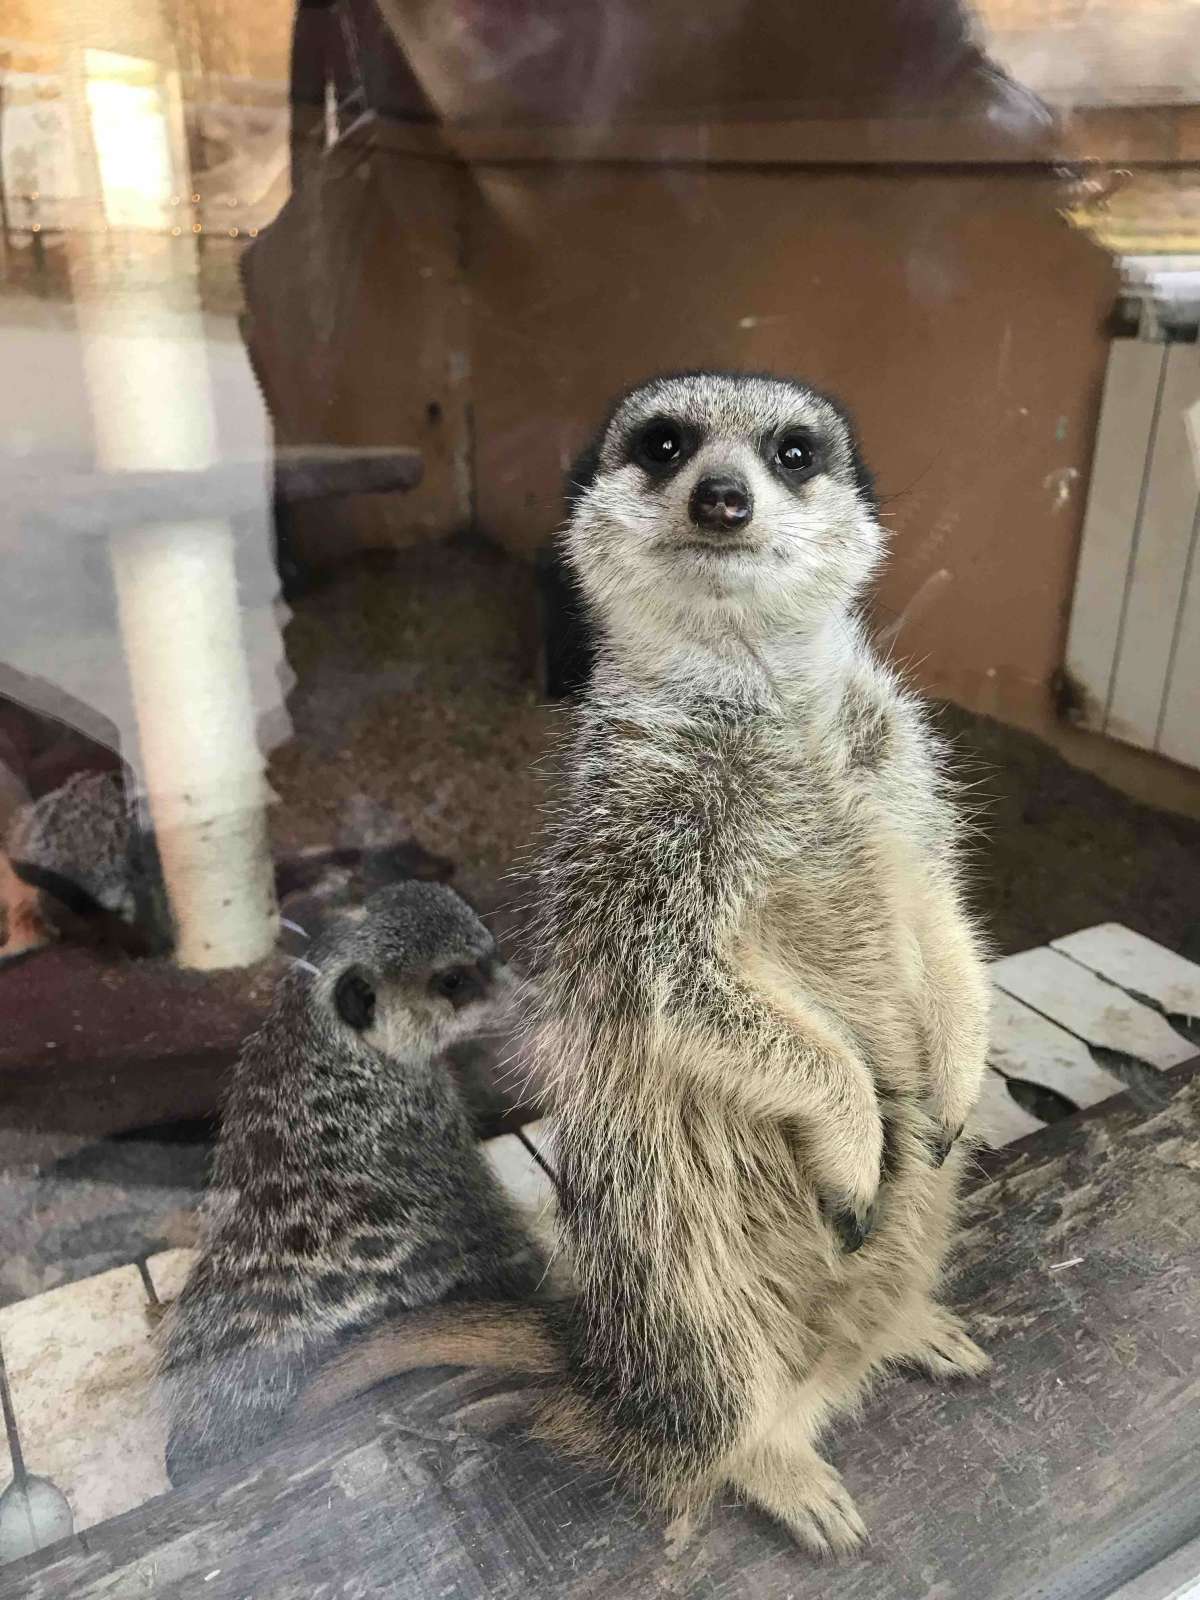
(769, 835)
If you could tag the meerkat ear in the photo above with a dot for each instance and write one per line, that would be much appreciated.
(354, 998)
(583, 472)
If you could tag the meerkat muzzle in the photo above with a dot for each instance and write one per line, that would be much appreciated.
(721, 505)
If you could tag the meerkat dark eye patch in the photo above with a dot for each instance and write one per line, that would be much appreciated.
(354, 998)
(459, 985)
(797, 453)
(662, 445)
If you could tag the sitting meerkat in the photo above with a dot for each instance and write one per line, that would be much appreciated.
(762, 1005)
(347, 1183)
(77, 857)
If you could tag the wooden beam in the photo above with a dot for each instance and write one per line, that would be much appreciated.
(89, 503)
(1143, 136)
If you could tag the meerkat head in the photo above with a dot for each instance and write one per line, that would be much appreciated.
(716, 501)
(409, 972)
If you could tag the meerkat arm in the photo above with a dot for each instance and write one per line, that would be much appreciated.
(954, 998)
(710, 1008)
(952, 991)
(778, 1060)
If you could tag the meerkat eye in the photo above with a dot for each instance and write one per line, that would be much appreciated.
(355, 1000)
(796, 452)
(660, 445)
(457, 984)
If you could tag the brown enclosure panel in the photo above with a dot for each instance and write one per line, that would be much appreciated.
(957, 315)
(525, 61)
(356, 328)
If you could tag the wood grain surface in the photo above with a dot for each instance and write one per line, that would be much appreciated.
(1071, 1468)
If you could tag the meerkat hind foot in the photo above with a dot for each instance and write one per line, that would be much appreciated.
(947, 1349)
(808, 1497)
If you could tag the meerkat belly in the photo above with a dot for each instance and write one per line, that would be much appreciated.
(746, 1290)
(812, 1315)
(707, 1271)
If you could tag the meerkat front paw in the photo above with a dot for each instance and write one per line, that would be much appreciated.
(826, 1519)
(847, 1161)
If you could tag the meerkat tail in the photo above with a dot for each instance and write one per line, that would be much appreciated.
(499, 1337)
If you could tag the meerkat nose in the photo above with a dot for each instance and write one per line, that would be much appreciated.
(721, 505)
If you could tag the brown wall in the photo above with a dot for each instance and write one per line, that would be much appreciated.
(955, 312)
(356, 323)
(957, 315)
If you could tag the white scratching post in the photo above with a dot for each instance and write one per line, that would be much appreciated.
(205, 788)
(147, 374)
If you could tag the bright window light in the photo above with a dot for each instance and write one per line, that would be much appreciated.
(128, 111)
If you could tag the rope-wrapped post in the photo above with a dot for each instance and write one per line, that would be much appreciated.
(164, 499)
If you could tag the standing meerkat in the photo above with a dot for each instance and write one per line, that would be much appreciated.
(348, 1183)
(762, 1006)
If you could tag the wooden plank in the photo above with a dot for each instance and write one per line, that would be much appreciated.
(79, 1361)
(540, 1135)
(997, 1118)
(1179, 736)
(992, 1164)
(1175, 1578)
(1160, 556)
(520, 1173)
(1089, 1007)
(1137, 963)
(168, 1272)
(1024, 1044)
(1119, 464)
(86, 504)
(423, 1490)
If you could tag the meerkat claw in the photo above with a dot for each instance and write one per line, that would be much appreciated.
(943, 1144)
(851, 1229)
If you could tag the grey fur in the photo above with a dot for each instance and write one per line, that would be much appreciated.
(348, 1183)
(83, 846)
(81, 833)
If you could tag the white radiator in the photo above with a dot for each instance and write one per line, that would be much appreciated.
(1133, 651)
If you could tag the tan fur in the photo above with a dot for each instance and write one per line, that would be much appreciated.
(763, 1010)
(501, 1338)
